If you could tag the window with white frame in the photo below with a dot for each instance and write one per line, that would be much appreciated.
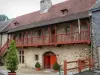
(21, 56)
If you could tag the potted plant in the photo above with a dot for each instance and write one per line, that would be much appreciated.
(37, 66)
(12, 59)
(56, 67)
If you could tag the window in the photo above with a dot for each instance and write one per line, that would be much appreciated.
(16, 23)
(36, 57)
(64, 11)
(21, 56)
(39, 32)
(67, 29)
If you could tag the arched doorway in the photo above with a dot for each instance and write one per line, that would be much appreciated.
(49, 59)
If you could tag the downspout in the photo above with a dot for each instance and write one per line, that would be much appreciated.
(79, 25)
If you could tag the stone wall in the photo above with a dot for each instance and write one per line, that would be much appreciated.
(65, 52)
(4, 38)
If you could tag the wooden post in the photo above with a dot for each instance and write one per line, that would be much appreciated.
(88, 30)
(49, 34)
(22, 39)
(71, 32)
(79, 65)
(27, 37)
(31, 37)
(43, 35)
(90, 64)
(65, 67)
(7, 39)
(55, 35)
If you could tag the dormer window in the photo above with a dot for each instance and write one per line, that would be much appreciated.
(16, 23)
(64, 11)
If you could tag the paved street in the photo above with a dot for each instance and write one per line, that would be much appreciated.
(1, 74)
(28, 71)
(88, 73)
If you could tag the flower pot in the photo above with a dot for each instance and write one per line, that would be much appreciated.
(37, 69)
(9, 73)
(56, 70)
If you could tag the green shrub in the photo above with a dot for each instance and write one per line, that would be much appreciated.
(56, 66)
(37, 65)
(12, 57)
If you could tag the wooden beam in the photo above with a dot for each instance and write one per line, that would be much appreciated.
(31, 37)
(88, 30)
(43, 35)
(71, 30)
(65, 67)
(49, 31)
(55, 40)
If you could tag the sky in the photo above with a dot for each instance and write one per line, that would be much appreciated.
(14, 8)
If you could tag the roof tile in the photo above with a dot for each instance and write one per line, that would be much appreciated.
(73, 6)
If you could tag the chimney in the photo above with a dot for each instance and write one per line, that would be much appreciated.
(45, 5)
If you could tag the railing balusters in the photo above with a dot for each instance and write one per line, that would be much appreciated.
(4, 48)
(66, 38)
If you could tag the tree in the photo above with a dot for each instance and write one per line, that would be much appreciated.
(12, 58)
(3, 17)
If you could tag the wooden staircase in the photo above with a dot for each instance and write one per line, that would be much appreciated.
(4, 48)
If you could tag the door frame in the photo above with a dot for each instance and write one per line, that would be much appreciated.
(49, 53)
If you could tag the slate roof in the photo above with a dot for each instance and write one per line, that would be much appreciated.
(54, 13)
(96, 5)
(4, 26)
(2, 22)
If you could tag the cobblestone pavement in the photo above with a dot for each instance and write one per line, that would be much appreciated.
(88, 73)
(1, 74)
(28, 71)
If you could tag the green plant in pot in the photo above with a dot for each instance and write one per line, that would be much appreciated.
(12, 59)
(56, 66)
(37, 66)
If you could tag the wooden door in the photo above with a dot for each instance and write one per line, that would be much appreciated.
(46, 62)
(52, 60)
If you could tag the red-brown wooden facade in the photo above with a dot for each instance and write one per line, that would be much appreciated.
(53, 38)
(27, 39)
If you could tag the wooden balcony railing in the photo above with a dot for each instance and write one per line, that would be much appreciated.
(3, 49)
(80, 65)
(69, 38)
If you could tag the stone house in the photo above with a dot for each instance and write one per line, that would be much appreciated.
(3, 33)
(95, 12)
(53, 34)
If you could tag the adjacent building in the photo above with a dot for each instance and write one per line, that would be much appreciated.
(3, 35)
(95, 12)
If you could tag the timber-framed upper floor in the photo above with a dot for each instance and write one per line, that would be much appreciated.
(64, 23)
(72, 32)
